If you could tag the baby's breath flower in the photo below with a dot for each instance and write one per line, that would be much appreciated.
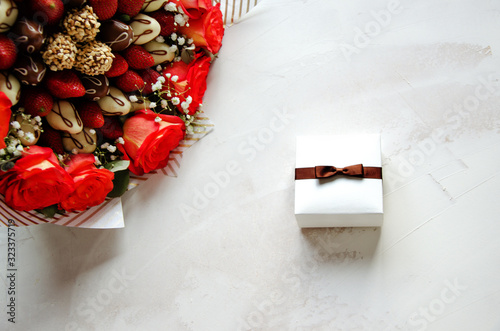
(133, 98)
(164, 103)
(189, 99)
(104, 146)
(120, 141)
(152, 105)
(184, 105)
(160, 39)
(16, 153)
(168, 75)
(181, 41)
(170, 7)
(176, 101)
(97, 161)
(15, 125)
(174, 78)
(161, 79)
(173, 36)
(159, 68)
(20, 133)
(30, 137)
(111, 148)
(113, 157)
(74, 151)
(92, 131)
(158, 119)
(38, 119)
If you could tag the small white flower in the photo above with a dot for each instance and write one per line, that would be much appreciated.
(15, 125)
(187, 24)
(38, 119)
(92, 131)
(174, 78)
(104, 146)
(36, 127)
(173, 36)
(190, 41)
(168, 75)
(152, 105)
(2, 152)
(10, 149)
(189, 129)
(20, 148)
(120, 141)
(29, 137)
(74, 151)
(159, 68)
(164, 103)
(173, 48)
(111, 148)
(156, 86)
(133, 98)
(181, 40)
(113, 157)
(158, 119)
(161, 79)
(176, 101)
(97, 161)
(16, 153)
(20, 133)
(179, 19)
(189, 99)
(170, 7)
(160, 39)
(184, 105)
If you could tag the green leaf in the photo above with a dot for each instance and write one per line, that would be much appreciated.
(117, 165)
(120, 183)
(49, 211)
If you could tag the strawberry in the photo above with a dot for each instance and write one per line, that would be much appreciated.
(90, 113)
(64, 84)
(52, 10)
(104, 9)
(119, 66)
(150, 77)
(166, 20)
(51, 138)
(112, 128)
(8, 52)
(138, 58)
(130, 7)
(130, 81)
(37, 101)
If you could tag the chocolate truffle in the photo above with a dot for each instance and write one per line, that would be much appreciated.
(29, 70)
(116, 35)
(28, 35)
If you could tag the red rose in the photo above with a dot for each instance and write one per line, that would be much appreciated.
(92, 185)
(149, 138)
(5, 114)
(36, 181)
(195, 8)
(191, 81)
(206, 31)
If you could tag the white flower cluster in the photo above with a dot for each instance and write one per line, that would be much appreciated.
(34, 122)
(180, 17)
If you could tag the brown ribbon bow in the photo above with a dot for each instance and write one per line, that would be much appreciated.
(357, 170)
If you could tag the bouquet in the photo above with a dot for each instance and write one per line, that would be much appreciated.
(91, 91)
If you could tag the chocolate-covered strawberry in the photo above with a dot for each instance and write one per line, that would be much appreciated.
(27, 35)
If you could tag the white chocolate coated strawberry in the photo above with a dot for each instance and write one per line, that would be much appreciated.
(115, 103)
(10, 86)
(145, 29)
(8, 14)
(64, 117)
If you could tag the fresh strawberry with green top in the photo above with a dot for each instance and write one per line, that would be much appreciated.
(166, 20)
(130, 81)
(119, 66)
(64, 84)
(37, 101)
(137, 57)
(51, 138)
(112, 128)
(90, 113)
(8, 52)
(104, 9)
(51, 10)
(130, 7)
(150, 77)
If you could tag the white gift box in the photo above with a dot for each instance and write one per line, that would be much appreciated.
(338, 201)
